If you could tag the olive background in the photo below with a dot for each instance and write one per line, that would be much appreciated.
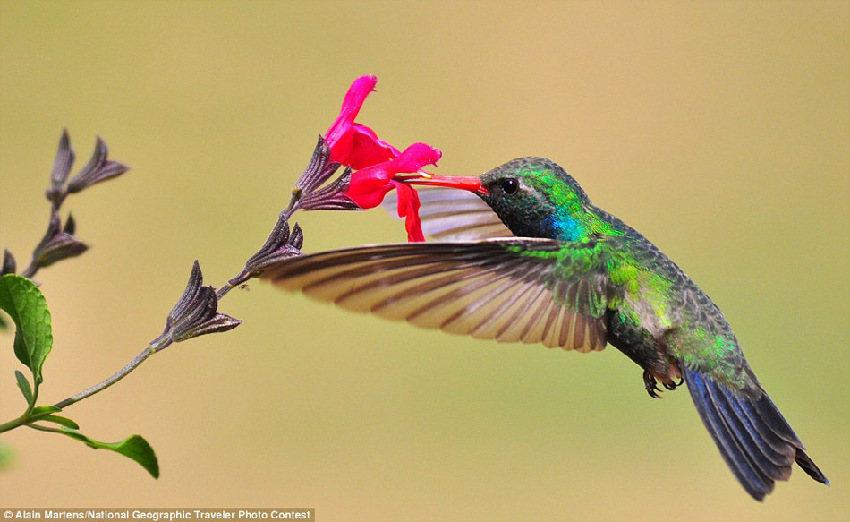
(719, 130)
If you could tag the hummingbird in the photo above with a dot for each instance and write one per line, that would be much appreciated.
(524, 256)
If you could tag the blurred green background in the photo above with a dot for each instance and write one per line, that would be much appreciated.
(719, 130)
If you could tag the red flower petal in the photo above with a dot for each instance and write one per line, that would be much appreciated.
(414, 158)
(408, 208)
(368, 186)
(366, 149)
(351, 104)
(377, 162)
(354, 144)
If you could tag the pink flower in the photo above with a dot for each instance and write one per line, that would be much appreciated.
(353, 144)
(368, 186)
(380, 167)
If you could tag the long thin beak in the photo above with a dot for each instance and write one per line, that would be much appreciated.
(468, 183)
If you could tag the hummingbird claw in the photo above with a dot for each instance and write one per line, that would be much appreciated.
(651, 384)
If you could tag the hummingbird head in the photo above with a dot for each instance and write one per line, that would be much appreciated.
(535, 197)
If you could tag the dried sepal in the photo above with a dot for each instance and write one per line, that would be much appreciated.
(61, 168)
(70, 225)
(319, 170)
(190, 294)
(57, 245)
(331, 196)
(8, 263)
(195, 314)
(279, 246)
(216, 323)
(297, 238)
(98, 169)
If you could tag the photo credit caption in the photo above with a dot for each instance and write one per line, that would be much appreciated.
(157, 515)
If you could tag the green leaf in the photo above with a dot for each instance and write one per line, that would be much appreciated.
(24, 385)
(64, 421)
(2, 322)
(134, 447)
(7, 455)
(26, 305)
(44, 410)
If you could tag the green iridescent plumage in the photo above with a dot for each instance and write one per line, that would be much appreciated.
(571, 276)
(648, 292)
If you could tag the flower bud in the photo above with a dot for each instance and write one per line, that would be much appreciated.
(280, 245)
(58, 244)
(61, 168)
(195, 314)
(98, 169)
(8, 263)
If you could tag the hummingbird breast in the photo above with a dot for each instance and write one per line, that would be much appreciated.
(663, 319)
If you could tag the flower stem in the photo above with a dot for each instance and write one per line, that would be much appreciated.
(12, 424)
(139, 359)
(245, 275)
(159, 343)
(240, 278)
(44, 428)
(296, 197)
(30, 271)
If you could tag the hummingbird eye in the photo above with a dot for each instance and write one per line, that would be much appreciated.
(510, 185)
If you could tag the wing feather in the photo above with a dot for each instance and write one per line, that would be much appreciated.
(510, 290)
(454, 215)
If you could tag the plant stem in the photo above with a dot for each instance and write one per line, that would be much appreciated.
(161, 341)
(44, 428)
(20, 421)
(30, 271)
(243, 276)
(139, 359)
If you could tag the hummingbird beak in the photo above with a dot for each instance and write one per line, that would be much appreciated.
(468, 183)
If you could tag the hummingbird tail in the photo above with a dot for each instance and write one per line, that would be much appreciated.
(754, 439)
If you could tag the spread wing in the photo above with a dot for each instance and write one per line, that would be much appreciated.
(512, 290)
(454, 215)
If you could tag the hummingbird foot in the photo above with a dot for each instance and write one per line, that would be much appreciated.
(671, 385)
(651, 384)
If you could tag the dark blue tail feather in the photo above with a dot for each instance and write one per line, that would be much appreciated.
(771, 446)
(754, 439)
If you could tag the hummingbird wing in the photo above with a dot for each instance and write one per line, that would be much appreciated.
(454, 215)
(512, 290)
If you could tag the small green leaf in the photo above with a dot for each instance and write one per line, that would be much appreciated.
(64, 421)
(134, 447)
(7, 455)
(26, 305)
(44, 410)
(24, 385)
(2, 323)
